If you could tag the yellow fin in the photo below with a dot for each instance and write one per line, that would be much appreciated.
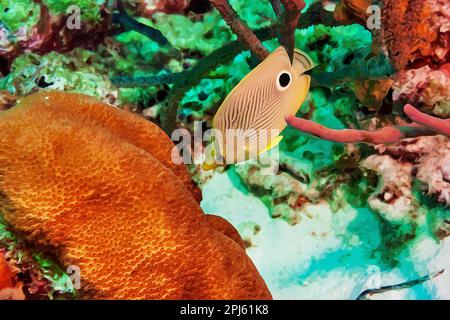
(210, 162)
(271, 145)
(207, 167)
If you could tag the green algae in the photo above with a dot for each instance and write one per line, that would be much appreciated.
(71, 72)
(90, 9)
(17, 14)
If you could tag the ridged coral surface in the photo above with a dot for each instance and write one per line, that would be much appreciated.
(94, 186)
(414, 29)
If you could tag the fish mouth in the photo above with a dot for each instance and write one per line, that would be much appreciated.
(307, 73)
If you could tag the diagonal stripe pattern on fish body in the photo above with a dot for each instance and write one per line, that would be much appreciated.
(251, 118)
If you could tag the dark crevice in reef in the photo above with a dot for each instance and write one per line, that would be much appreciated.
(36, 264)
(5, 66)
(199, 6)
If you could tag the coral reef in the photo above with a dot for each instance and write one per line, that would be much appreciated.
(410, 83)
(30, 275)
(114, 204)
(7, 100)
(406, 211)
(9, 290)
(416, 32)
(71, 72)
(238, 27)
(352, 11)
(41, 26)
(148, 8)
(283, 193)
(426, 87)
(338, 215)
(425, 158)
(394, 200)
(415, 35)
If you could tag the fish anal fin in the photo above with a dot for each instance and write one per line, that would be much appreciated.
(208, 167)
(272, 144)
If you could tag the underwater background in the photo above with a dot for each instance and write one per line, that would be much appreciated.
(338, 218)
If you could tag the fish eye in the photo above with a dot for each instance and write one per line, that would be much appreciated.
(283, 80)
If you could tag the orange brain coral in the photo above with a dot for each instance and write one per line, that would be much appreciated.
(94, 186)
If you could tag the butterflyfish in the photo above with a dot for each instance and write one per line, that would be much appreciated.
(251, 118)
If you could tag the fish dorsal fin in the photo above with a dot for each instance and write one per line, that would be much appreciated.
(302, 62)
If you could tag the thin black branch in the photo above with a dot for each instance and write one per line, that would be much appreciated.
(145, 80)
(121, 17)
(364, 295)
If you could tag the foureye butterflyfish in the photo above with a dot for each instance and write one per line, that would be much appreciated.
(251, 118)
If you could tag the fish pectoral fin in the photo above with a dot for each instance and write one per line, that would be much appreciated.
(271, 145)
